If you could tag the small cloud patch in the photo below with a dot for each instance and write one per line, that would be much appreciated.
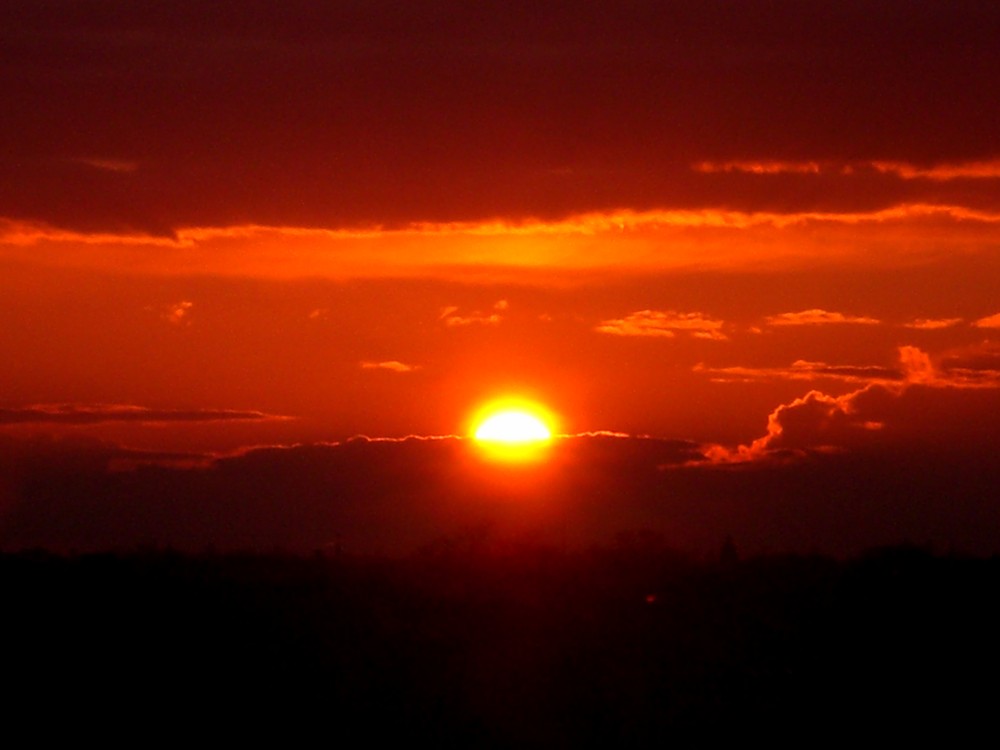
(391, 365)
(664, 324)
(105, 164)
(993, 321)
(178, 313)
(817, 316)
(931, 324)
(453, 318)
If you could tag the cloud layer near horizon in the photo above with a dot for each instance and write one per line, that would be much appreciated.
(84, 414)
(396, 496)
(897, 459)
(890, 400)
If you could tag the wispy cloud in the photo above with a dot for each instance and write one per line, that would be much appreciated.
(451, 316)
(993, 321)
(803, 370)
(390, 365)
(178, 313)
(967, 369)
(664, 324)
(976, 366)
(989, 169)
(106, 164)
(758, 167)
(930, 324)
(818, 317)
(82, 414)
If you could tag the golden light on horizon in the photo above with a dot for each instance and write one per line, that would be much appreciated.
(513, 430)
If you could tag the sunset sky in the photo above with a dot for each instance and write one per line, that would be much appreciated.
(748, 254)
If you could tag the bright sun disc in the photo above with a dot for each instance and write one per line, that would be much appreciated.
(513, 426)
(513, 431)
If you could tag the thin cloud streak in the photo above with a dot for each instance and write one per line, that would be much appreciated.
(971, 369)
(932, 324)
(83, 414)
(976, 170)
(121, 166)
(391, 365)
(818, 317)
(663, 324)
(802, 370)
(759, 167)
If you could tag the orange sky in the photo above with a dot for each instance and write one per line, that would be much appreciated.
(771, 231)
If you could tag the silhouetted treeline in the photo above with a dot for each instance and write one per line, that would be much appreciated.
(488, 643)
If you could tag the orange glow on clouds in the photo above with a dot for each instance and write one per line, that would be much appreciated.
(622, 240)
(986, 169)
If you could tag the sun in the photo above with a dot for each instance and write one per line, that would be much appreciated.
(513, 426)
(513, 430)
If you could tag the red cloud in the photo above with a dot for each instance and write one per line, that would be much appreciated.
(821, 422)
(391, 365)
(759, 167)
(817, 317)
(993, 321)
(930, 324)
(664, 324)
(451, 317)
(80, 414)
(986, 169)
(982, 170)
(816, 421)
(803, 370)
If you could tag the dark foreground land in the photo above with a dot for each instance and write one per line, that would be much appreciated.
(494, 644)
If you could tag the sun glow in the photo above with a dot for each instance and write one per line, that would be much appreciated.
(513, 430)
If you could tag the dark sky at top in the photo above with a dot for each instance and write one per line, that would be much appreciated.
(158, 115)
